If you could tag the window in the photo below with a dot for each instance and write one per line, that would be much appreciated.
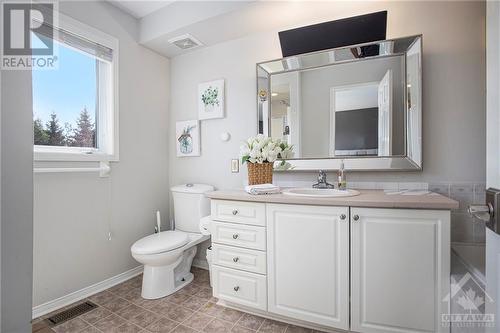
(75, 105)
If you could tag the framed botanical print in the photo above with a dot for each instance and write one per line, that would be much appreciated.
(187, 138)
(211, 100)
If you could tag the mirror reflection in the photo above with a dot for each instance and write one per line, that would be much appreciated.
(341, 110)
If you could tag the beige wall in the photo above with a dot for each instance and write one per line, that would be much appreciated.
(453, 96)
(75, 212)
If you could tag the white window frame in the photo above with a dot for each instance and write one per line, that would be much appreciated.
(107, 116)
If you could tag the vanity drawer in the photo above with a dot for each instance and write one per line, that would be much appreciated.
(252, 213)
(247, 236)
(239, 287)
(238, 258)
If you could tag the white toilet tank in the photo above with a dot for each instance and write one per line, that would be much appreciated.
(190, 205)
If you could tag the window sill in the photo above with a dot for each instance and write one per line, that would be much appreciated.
(73, 156)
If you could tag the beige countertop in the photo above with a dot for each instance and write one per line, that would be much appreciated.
(367, 198)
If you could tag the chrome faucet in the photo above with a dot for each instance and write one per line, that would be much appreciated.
(322, 183)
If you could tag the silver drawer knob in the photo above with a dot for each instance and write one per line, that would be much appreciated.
(235, 236)
(236, 259)
(235, 211)
(236, 288)
(355, 217)
(343, 216)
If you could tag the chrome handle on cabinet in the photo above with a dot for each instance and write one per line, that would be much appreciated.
(355, 217)
(343, 216)
(236, 288)
(235, 236)
(236, 259)
(235, 211)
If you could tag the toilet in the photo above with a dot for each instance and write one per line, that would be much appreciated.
(167, 256)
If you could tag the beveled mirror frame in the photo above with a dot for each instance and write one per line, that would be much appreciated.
(406, 46)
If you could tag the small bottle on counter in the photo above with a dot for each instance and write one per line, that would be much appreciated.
(341, 180)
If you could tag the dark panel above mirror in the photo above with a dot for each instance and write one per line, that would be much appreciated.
(328, 35)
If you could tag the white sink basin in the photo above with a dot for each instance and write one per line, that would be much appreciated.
(320, 193)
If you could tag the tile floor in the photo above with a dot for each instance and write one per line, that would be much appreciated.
(190, 310)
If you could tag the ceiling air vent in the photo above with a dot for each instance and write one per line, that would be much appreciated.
(185, 42)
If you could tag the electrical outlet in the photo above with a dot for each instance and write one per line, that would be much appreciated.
(235, 165)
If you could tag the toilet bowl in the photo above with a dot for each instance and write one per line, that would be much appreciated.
(167, 256)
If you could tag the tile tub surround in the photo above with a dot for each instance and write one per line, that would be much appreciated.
(464, 227)
(190, 310)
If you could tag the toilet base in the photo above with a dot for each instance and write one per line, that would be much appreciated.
(154, 291)
(161, 281)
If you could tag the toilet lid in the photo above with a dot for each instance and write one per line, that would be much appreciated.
(160, 242)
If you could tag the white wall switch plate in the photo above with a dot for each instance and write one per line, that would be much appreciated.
(235, 165)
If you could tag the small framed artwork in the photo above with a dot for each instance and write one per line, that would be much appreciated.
(187, 134)
(211, 100)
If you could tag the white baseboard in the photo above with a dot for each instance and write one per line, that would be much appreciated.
(76, 296)
(200, 263)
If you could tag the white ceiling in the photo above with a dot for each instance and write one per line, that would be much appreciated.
(162, 20)
(215, 21)
(139, 9)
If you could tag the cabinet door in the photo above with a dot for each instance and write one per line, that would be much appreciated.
(308, 263)
(400, 270)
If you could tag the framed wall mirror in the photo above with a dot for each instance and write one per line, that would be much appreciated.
(361, 104)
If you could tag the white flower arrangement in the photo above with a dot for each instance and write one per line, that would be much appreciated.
(262, 149)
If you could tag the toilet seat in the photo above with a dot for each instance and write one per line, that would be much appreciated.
(161, 242)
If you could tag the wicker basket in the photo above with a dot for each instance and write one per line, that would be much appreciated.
(260, 173)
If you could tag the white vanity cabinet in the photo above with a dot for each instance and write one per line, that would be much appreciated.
(239, 253)
(308, 263)
(367, 270)
(400, 269)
